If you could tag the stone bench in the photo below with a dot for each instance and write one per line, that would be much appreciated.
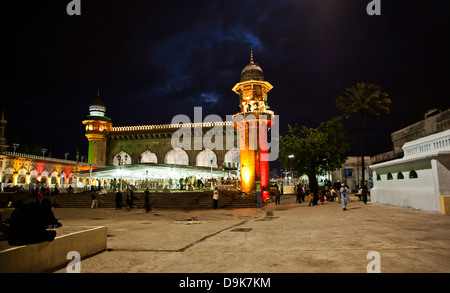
(46, 256)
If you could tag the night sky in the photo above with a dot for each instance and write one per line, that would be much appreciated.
(153, 60)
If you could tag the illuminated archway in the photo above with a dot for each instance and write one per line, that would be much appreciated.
(44, 177)
(148, 157)
(177, 156)
(233, 156)
(8, 175)
(21, 176)
(54, 178)
(205, 157)
(33, 176)
(122, 158)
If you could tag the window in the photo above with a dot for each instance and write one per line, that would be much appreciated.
(348, 172)
(400, 175)
(389, 176)
(378, 177)
(412, 174)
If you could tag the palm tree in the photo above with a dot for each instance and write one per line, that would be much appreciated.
(365, 99)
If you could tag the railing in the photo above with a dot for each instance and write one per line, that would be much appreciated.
(269, 113)
(439, 141)
(171, 126)
(35, 157)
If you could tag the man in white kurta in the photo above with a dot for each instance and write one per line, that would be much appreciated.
(344, 197)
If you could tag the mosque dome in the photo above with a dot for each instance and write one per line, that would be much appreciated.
(252, 71)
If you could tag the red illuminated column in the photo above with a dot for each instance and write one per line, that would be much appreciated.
(263, 159)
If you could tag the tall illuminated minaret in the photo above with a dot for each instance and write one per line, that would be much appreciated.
(254, 116)
(3, 122)
(97, 130)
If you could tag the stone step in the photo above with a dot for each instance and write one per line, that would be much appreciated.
(178, 200)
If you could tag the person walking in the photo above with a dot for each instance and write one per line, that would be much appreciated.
(119, 203)
(147, 200)
(102, 193)
(215, 198)
(321, 196)
(277, 196)
(333, 194)
(359, 194)
(364, 194)
(129, 200)
(344, 197)
(299, 193)
(94, 199)
(311, 198)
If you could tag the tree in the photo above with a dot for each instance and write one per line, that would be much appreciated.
(314, 151)
(365, 99)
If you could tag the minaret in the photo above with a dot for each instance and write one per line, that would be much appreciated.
(3, 145)
(97, 130)
(254, 119)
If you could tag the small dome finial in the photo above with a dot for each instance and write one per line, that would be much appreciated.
(251, 56)
(98, 91)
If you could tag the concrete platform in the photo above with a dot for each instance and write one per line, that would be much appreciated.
(46, 256)
(288, 238)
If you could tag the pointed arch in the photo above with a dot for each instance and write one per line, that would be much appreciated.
(122, 158)
(206, 158)
(148, 157)
(177, 156)
(232, 156)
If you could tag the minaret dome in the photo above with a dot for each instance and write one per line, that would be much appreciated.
(97, 107)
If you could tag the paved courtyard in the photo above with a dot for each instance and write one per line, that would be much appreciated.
(288, 238)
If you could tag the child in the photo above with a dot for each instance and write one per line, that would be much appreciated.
(311, 197)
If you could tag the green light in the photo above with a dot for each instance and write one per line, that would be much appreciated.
(99, 116)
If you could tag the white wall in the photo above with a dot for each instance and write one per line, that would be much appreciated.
(418, 193)
(429, 156)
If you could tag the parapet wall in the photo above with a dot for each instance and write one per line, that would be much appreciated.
(45, 256)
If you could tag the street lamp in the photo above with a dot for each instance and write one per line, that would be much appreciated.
(66, 155)
(291, 156)
(15, 145)
(211, 163)
(90, 176)
(122, 162)
(43, 151)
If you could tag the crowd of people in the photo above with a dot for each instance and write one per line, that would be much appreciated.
(337, 192)
(130, 198)
(188, 183)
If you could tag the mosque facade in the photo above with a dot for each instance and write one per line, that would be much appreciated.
(111, 145)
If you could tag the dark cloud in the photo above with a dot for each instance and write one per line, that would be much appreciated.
(153, 60)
